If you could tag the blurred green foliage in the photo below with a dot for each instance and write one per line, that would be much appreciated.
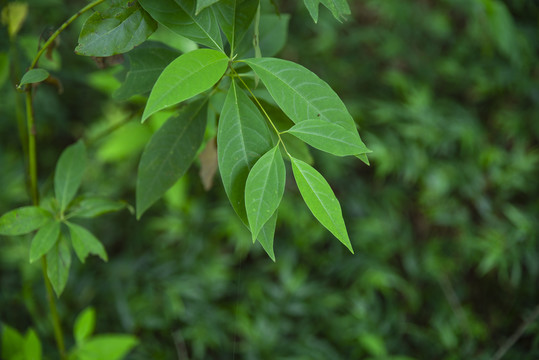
(445, 221)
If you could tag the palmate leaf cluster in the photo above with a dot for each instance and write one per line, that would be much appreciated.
(250, 147)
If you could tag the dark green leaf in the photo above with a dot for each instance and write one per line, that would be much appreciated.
(273, 32)
(266, 235)
(202, 4)
(264, 189)
(329, 137)
(185, 77)
(115, 30)
(44, 240)
(235, 17)
(146, 62)
(84, 325)
(23, 220)
(68, 174)
(85, 243)
(339, 8)
(179, 16)
(58, 263)
(106, 347)
(243, 136)
(169, 154)
(321, 200)
(34, 76)
(92, 207)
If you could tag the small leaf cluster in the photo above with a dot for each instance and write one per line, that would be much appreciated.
(256, 133)
(56, 232)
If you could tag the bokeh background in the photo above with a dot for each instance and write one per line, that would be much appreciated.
(444, 222)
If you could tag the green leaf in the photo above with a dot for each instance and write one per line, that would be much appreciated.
(92, 207)
(264, 189)
(169, 154)
(146, 62)
(84, 325)
(105, 347)
(329, 137)
(266, 235)
(243, 136)
(185, 77)
(44, 240)
(23, 220)
(12, 343)
(68, 174)
(33, 76)
(273, 32)
(202, 4)
(179, 16)
(58, 263)
(321, 200)
(116, 30)
(85, 243)
(235, 17)
(32, 346)
(339, 8)
(300, 93)
(364, 158)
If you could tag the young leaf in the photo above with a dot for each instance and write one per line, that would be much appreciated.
(242, 137)
(44, 240)
(266, 235)
(187, 76)
(179, 16)
(169, 154)
(109, 347)
(33, 76)
(321, 200)
(202, 4)
(329, 137)
(23, 220)
(68, 173)
(92, 207)
(300, 93)
(84, 325)
(85, 243)
(264, 189)
(58, 263)
(235, 17)
(115, 30)
(146, 62)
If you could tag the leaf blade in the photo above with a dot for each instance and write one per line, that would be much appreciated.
(68, 173)
(23, 220)
(85, 243)
(44, 240)
(235, 17)
(58, 264)
(33, 76)
(187, 76)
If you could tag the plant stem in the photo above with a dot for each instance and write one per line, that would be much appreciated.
(61, 28)
(32, 157)
(58, 335)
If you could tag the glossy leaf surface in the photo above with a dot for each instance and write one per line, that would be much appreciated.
(264, 189)
(44, 240)
(169, 154)
(321, 200)
(185, 77)
(179, 16)
(116, 30)
(85, 243)
(58, 263)
(202, 4)
(68, 173)
(23, 220)
(242, 138)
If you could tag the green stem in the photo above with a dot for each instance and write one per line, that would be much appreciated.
(32, 157)
(58, 335)
(62, 28)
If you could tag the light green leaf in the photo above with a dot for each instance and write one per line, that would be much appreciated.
(243, 136)
(92, 207)
(58, 263)
(146, 63)
(300, 93)
(105, 347)
(116, 30)
(202, 4)
(12, 342)
(266, 235)
(235, 17)
(185, 77)
(34, 76)
(264, 189)
(169, 154)
(321, 200)
(179, 16)
(84, 325)
(339, 8)
(44, 240)
(32, 346)
(329, 137)
(85, 243)
(364, 158)
(68, 174)
(23, 220)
